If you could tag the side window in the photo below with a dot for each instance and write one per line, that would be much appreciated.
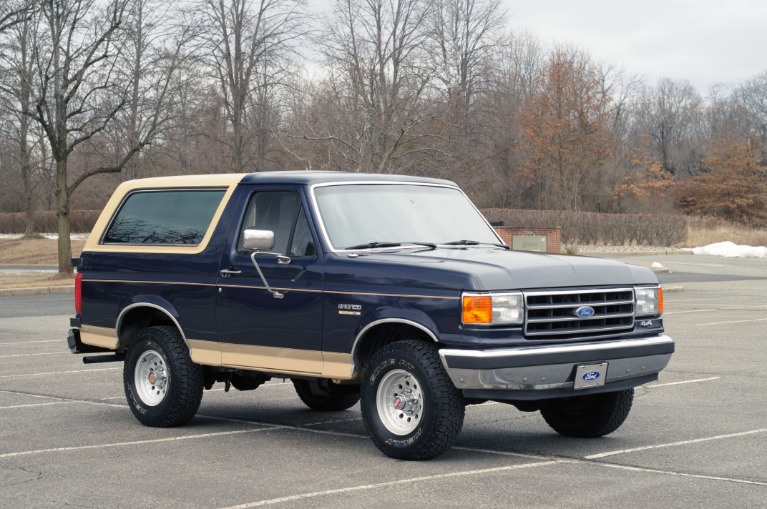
(280, 212)
(172, 217)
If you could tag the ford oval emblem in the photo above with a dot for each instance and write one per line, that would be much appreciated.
(590, 376)
(584, 312)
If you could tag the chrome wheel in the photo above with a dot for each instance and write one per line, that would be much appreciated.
(400, 402)
(151, 378)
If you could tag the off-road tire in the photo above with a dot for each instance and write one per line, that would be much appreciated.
(332, 401)
(588, 416)
(163, 347)
(412, 366)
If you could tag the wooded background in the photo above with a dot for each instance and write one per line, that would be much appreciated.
(107, 90)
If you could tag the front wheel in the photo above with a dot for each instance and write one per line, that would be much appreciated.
(588, 416)
(162, 384)
(410, 407)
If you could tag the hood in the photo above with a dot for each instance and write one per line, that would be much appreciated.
(497, 269)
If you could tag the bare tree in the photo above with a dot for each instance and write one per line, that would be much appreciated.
(753, 94)
(13, 12)
(465, 34)
(670, 115)
(155, 53)
(376, 53)
(17, 64)
(76, 94)
(83, 86)
(250, 42)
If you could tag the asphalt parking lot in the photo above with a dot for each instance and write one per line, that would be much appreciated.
(695, 438)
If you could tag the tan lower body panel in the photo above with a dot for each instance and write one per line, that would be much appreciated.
(270, 359)
(103, 337)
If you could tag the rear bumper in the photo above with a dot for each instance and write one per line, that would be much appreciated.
(548, 371)
(76, 345)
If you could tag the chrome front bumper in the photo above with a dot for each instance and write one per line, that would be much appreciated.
(549, 370)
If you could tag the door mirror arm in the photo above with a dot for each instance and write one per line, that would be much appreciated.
(275, 293)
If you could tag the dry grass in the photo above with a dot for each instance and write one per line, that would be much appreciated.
(702, 232)
(33, 252)
(34, 280)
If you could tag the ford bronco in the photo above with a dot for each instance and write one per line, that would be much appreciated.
(389, 290)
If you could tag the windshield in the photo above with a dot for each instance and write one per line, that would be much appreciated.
(358, 214)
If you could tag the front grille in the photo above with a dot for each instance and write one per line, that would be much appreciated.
(552, 315)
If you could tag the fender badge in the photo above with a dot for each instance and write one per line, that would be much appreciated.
(350, 309)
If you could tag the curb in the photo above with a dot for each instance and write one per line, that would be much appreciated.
(673, 288)
(43, 290)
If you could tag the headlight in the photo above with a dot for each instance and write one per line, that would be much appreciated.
(649, 301)
(493, 309)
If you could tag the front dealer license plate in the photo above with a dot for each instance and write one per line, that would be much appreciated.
(590, 375)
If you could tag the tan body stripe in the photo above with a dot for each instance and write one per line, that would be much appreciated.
(272, 359)
(230, 355)
(103, 337)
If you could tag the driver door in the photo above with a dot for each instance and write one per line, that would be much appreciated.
(280, 330)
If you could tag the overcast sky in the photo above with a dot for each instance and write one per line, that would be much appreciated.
(707, 42)
(703, 41)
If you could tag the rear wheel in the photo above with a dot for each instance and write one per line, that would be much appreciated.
(162, 384)
(588, 416)
(329, 398)
(410, 407)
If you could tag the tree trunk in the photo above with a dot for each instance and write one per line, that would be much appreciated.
(62, 217)
(30, 228)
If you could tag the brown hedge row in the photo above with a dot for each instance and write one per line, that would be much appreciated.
(81, 221)
(595, 228)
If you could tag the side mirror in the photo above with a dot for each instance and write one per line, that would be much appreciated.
(257, 240)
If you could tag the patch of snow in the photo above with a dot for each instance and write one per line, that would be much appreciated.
(729, 249)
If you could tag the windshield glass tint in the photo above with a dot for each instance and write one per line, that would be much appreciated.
(362, 213)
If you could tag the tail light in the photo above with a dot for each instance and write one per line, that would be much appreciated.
(79, 293)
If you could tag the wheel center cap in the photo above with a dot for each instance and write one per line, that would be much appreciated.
(152, 378)
(398, 403)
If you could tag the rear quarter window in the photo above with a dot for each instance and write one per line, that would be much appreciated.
(165, 217)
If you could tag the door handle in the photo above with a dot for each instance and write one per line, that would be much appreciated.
(229, 272)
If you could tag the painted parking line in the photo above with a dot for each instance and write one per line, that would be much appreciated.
(725, 308)
(666, 313)
(680, 474)
(332, 422)
(397, 483)
(47, 373)
(268, 426)
(674, 444)
(33, 354)
(698, 380)
(30, 343)
(29, 405)
(135, 442)
(734, 321)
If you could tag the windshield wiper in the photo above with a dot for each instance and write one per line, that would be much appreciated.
(464, 242)
(374, 245)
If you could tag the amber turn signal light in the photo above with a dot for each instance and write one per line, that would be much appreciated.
(477, 309)
(660, 301)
